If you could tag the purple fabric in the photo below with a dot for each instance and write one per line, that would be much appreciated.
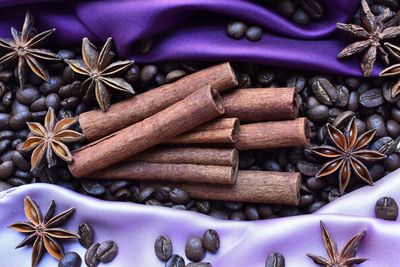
(194, 30)
(135, 227)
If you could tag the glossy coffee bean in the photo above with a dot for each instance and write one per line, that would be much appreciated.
(4, 145)
(393, 128)
(236, 30)
(325, 92)
(254, 33)
(318, 113)
(27, 95)
(107, 251)
(301, 17)
(194, 249)
(6, 170)
(93, 187)
(52, 86)
(39, 105)
(4, 121)
(211, 240)
(175, 75)
(392, 162)
(386, 208)
(147, 73)
(179, 196)
(70, 259)
(132, 74)
(275, 260)
(175, 261)
(86, 233)
(53, 100)
(372, 98)
(20, 162)
(91, 259)
(376, 121)
(19, 120)
(163, 248)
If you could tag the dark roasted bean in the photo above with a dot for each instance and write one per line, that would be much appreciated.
(307, 168)
(174, 75)
(175, 261)
(254, 33)
(107, 251)
(286, 7)
(199, 264)
(271, 165)
(179, 196)
(298, 81)
(376, 121)
(315, 206)
(301, 17)
(306, 200)
(53, 100)
(132, 74)
(275, 260)
(16, 181)
(147, 73)
(392, 162)
(146, 194)
(86, 233)
(386, 208)
(27, 95)
(237, 216)
(325, 92)
(219, 214)
(194, 249)
(8, 99)
(4, 121)
(4, 186)
(52, 86)
(372, 98)
(236, 30)
(251, 213)
(313, 8)
(4, 145)
(211, 240)
(318, 113)
(163, 248)
(343, 96)
(18, 121)
(39, 105)
(143, 46)
(22, 174)
(6, 170)
(91, 259)
(20, 162)
(92, 187)
(70, 259)
(70, 103)
(393, 128)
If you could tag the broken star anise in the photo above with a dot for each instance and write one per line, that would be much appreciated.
(101, 72)
(347, 154)
(43, 232)
(346, 258)
(371, 32)
(393, 70)
(51, 138)
(24, 48)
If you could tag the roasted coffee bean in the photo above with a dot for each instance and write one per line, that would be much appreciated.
(16, 181)
(318, 113)
(107, 251)
(386, 208)
(8, 99)
(235, 206)
(236, 30)
(23, 175)
(70, 259)
(27, 95)
(20, 162)
(92, 187)
(392, 162)
(4, 145)
(179, 196)
(4, 186)
(286, 7)
(219, 214)
(91, 259)
(312, 102)
(306, 200)
(70, 103)
(6, 134)
(163, 248)
(39, 105)
(174, 76)
(159, 79)
(246, 159)
(307, 168)
(275, 260)
(289, 211)
(372, 98)
(38, 116)
(376, 121)
(211, 240)
(271, 165)
(237, 216)
(313, 8)
(393, 128)
(6, 170)
(353, 101)
(86, 233)
(301, 17)
(4, 121)
(132, 74)
(175, 261)
(298, 81)
(18, 121)
(251, 213)
(254, 33)
(395, 114)
(143, 46)
(343, 96)
(198, 264)
(18, 107)
(52, 86)
(203, 206)
(194, 249)
(325, 92)
(146, 194)
(265, 211)
(315, 206)
(147, 73)
(53, 100)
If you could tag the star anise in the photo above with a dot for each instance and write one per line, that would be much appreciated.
(100, 71)
(51, 138)
(393, 70)
(24, 48)
(347, 154)
(346, 258)
(43, 232)
(371, 32)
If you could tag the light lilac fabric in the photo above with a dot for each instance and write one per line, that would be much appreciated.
(135, 228)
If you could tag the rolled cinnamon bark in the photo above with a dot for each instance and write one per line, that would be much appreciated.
(218, 131)
(274, 134)
(169, 172)
(261, 104)
(199, 107)
(250, 186)
(189, 155)
(96, 124)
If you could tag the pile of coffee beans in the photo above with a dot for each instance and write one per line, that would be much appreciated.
(195, 249)
(237, 30)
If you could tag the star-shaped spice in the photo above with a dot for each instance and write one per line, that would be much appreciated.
(371, 32)
(346, 258)
(393, 70)
(347, 153)
(51, 138)
(101, 72)
(24, 48)
(43, 232)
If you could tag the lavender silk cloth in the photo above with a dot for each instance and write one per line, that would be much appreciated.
(194, 30)
(135, 227)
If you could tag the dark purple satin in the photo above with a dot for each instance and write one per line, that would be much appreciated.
(193, 30)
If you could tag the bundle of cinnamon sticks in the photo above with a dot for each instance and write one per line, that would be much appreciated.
(188, 134)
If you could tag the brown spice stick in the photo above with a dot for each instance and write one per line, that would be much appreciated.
(250, 186)
(274, 134)
(96, 124)
(189, 155)
(261, 104)
(199, 107)
(193, 173)
(218, 131)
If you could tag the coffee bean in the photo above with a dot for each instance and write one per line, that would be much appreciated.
(143, 46)
(22, 174)
(179, 196)
(353, 101)
(219, 214)
(27, 95)
(315, 206)
(4, 145)
(20, 162)
(198, 264)
(107, 251)
(271, 165)
(237, 216)
(70, 103)
(70, 259)
(286, 8)
(236, 30)
(146, 194)
(132, 74)
(8, 99)
(386, 208)
(163, 248)
(306, 200)
(86, 233)
(16, 181)
(343, 96)
(254, 33)
(265, 78)
(298, 81)
(372, 98)
(275, 260)
(325, 92)
(318, 113)
(6, 134)
(53, 100)
(4, 186)
(175, 261)
(39, 105)
(38, 116)
(147, 73)
(91, 259)
(6, 170)
(307, 168)
(93, 187)
(392, 162)
(301, 17)
(313, 8)
(18, 121)
(393, 128)
(203, 206)
(194, 249)
(211, 240)
(52, 86)
(376, 121)
(4, 121)
(174, 76)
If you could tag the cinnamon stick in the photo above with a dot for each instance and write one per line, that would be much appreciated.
(169, 172)
(190, 155)
(199, 107)
(274, 134)
(96, 124)
(218, 131)
(261, 104)
(250, 186)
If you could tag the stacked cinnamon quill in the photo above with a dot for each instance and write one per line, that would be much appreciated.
(186, 134)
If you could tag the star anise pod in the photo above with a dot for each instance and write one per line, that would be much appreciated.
(51, 138)
(24, 48)
(43, 232)
(393, 70)
(101, 72)
(347, 154)
(346, 258)
(371, 32)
